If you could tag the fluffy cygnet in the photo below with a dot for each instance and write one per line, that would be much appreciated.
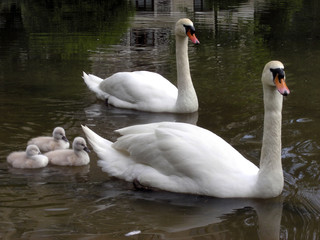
(77, 156)
(31, 158)
(57, 141)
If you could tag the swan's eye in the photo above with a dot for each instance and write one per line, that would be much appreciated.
(190, 29)
(278, 71)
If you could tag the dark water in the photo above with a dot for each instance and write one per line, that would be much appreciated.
(45, 46)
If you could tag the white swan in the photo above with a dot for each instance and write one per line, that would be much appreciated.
(77, 156)
(57, 141)
(184, 158)
(148, 91)
(31, 158)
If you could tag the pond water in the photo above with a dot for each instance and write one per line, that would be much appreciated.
(45, 46)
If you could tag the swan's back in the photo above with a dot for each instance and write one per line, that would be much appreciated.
(195, 159)
(178, 157)
(141, 90)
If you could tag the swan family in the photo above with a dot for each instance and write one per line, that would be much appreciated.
(171, 156)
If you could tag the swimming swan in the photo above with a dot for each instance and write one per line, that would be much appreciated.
(31, 158)
(149, 91)
(77, 156)
(184, 158)
(57, 141)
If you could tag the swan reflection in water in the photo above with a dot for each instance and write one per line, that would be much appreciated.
(114, 118)
(171, 214)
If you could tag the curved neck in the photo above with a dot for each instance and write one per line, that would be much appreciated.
(187, 98)
(270, 161)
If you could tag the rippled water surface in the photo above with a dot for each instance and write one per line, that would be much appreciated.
(45, 46)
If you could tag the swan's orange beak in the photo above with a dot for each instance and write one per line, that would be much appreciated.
(192, 37)
(281, 85)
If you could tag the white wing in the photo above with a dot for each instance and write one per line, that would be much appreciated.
(179, 157)
(140, 90)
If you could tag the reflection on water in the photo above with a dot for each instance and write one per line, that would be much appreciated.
(58, 204)
(45, 46)
(118, 118)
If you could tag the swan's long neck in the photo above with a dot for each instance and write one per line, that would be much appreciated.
(187, 100)
(270, 175)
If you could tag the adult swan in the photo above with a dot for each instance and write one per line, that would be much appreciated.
(184, 158)
(148, 91)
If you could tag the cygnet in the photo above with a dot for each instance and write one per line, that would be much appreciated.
(57, 141)
(77, 156)
(31, 158)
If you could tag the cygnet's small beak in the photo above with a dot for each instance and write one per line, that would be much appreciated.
(86, 149)
(65, 138)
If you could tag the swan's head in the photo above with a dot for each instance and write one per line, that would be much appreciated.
(80, 144)
(32, 150)
(185, 28)
(59, 133)
(273, 75)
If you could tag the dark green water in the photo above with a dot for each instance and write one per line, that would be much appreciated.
(45, 46)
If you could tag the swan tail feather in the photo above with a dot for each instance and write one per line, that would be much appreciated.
(111, 161)
(99, 144)
(93, 83)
